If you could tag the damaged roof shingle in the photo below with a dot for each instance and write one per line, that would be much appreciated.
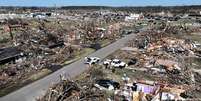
(9, 54)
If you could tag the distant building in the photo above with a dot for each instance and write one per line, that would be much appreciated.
(161, 13)
(133, 17)
(41, 15)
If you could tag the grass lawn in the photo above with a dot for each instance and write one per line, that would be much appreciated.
(105, 43)
(40, 74)
(80, 54)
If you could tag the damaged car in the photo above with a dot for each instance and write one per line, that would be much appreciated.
(107, 84)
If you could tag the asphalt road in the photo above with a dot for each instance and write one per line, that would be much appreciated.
(38, 88)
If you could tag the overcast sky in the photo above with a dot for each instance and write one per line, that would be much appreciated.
(98, 2)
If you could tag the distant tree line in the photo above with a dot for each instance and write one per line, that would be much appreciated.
(146, 9)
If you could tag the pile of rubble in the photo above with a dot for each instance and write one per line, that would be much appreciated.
(33, 52)
(163, 56)
(82, 89)
(95, 87)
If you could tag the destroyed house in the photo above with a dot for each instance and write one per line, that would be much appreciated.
(55, 45)
(147, 87)
(9, 54)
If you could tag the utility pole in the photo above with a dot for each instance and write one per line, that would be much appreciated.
(55, 9)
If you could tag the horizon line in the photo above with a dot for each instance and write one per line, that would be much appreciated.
(101, 6)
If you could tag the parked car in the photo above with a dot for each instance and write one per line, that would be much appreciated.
(107, 84)
(118, 64)
(92, 60)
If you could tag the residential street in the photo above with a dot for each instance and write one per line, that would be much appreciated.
(38, 88)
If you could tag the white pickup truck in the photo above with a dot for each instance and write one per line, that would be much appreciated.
(116, 63)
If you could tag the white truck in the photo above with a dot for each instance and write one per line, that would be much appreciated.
(116, 63)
